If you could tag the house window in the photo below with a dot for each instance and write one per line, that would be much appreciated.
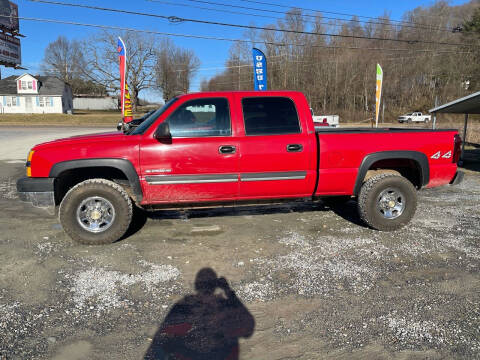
(26, 85)
(45, 101)
(10, 101)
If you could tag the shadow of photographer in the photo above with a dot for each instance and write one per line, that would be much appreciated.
(205, 325)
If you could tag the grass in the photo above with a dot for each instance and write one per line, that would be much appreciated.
(80, 117)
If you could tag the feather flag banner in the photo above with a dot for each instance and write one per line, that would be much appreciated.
(378, 95)
(259, 69)
(124, 94)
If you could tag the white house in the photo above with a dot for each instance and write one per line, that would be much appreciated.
(35, 95)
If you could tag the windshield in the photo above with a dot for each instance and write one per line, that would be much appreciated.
(151, 119)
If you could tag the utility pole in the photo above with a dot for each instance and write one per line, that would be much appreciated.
(383, 111)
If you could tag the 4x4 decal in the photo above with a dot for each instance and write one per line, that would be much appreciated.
(438, 154)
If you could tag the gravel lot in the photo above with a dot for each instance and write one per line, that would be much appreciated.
(317, 283)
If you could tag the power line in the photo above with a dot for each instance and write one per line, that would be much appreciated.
(229, 6)
(329, 12)
(205, 37)
(279, 61)
(230, 11)
(176, 19)
(210, 9)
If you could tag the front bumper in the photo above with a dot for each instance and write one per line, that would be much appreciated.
(38, 191)
(458, 178)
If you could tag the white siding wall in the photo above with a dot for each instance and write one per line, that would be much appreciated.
(53, 105)
(95, 103)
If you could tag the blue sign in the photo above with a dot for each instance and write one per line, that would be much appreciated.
(259, 69)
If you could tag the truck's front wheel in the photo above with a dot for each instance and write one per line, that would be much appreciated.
(96, 211)
(387, 202)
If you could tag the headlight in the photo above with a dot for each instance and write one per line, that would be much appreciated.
(29, 163)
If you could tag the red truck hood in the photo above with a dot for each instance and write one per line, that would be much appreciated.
(100, 137)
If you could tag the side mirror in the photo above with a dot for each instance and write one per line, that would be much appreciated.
(163, 133)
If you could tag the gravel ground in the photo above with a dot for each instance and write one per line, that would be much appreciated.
(317, 282)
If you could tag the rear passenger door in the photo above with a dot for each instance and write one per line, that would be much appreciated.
(275, 151)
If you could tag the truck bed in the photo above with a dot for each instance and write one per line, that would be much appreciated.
(347, 130)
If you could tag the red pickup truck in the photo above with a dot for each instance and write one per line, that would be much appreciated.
(207, 149)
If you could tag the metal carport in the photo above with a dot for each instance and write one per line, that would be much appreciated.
(467, 105)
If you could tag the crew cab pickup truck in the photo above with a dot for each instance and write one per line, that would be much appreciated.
(414, 117)
(218, 148)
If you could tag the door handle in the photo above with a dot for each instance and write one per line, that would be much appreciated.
(227, 149)
(294, 148)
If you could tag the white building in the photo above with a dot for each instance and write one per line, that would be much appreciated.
(35, 95)
(95, 102)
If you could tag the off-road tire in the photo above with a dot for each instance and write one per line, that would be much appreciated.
(106, 189)
(368, 198)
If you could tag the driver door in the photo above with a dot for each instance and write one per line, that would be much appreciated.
(201, 162)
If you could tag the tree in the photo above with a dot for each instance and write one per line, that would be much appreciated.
(102, 61)
(471, 34)
(88, 87)
(472, 26)
(174, 69)
(64, 60)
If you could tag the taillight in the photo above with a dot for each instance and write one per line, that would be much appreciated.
(457, 148)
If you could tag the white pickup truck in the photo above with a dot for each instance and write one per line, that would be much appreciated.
(325, 120)
(414, 117)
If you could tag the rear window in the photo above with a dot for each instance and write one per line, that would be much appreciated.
(270, 116)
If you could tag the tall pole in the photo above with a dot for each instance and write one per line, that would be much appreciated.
(434, 123)
(383, 111)
(464, 136)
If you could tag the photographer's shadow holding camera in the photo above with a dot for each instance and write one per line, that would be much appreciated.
(205, 325)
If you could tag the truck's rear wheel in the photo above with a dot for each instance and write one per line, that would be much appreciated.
(96, 211)
(387, 202)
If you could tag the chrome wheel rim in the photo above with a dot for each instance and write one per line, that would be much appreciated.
(391, 203)
(95, 214)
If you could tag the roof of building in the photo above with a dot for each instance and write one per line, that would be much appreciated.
(467, 105)
(49, 86)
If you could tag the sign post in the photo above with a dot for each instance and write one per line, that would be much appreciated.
(10, 53)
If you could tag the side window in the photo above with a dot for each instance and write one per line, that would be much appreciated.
(201, 117)
(270, 116)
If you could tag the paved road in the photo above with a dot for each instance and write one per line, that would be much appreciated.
(16, 141)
